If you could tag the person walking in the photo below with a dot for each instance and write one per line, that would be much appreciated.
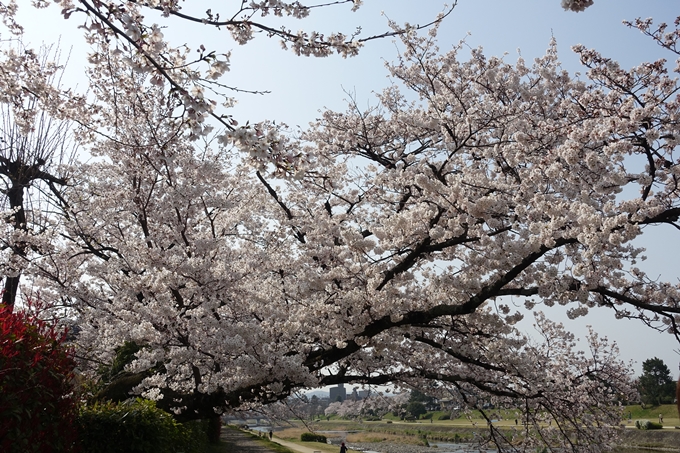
(343, 449)
(270, 434)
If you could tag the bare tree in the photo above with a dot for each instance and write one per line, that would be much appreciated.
(29, 173)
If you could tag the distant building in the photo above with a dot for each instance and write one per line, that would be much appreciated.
(359, 394)
(363, 394)
(338, 393)
(354, 396)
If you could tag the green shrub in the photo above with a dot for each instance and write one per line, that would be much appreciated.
(125, 354)
(311, 437)
(136, 427)
(646, 424)
(444, 417)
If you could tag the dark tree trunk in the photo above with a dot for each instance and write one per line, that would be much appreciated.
(214, 429)
(16, 201)
(9, 293)
(677, 396)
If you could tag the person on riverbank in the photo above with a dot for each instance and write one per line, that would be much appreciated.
(343, 449)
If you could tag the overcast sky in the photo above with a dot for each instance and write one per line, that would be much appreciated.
(300, 86)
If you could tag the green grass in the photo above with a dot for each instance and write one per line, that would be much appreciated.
(636, 412)
(667, 410)
(318, 446)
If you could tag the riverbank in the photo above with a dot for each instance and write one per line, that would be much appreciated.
(632, 441)
(667, 439)
(407, 438)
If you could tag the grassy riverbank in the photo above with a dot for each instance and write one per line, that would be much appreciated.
(504, 417)
(463, 428)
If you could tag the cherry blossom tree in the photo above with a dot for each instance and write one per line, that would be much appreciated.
(387, 246)
(392, 248)
(377, 404)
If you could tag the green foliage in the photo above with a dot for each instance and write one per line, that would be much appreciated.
(419, 397)
(136, 427)
(311, 437)
(646, 424)
(444, 417)
(125, 354)
(656, 386)
(416, 409)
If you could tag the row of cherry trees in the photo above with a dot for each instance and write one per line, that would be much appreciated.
(380, 246)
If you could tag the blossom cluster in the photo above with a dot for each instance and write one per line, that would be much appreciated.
(576, 5)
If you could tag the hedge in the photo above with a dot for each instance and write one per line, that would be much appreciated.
(137, 427)
(311, 437)
(646, 424)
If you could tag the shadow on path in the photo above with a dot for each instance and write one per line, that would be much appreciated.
(239, 442)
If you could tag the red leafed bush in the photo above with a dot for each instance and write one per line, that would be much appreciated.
(37, 404)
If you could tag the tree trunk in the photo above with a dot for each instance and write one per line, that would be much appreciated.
(677, 396)
(214, 429)
(9, 293)
(15, 194)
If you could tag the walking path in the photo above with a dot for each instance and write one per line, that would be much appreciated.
(294, 447)
(240, 442)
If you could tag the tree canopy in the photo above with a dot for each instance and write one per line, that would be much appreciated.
(388, 245)
(656, 385)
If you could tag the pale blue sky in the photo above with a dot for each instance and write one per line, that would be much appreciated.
(301, 86)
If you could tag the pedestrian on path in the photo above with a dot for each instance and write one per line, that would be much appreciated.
(343, 449)
(270, 434)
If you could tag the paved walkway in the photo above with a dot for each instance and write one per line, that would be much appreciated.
(294, 447)
(240, 442)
